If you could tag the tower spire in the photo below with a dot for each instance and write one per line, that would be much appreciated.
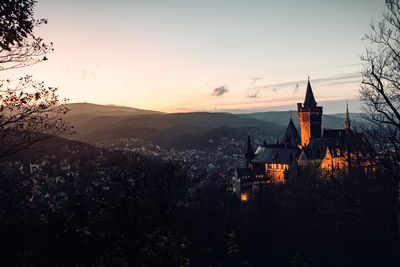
(249, 147)
(250, 152)
(347, 121)
(310, 100)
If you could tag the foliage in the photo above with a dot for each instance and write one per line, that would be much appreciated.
(29, 111)
(101, 211)
(19, 46)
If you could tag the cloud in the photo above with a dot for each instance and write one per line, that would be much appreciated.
(255, 95)
(343, 78)
(346, 65)
(345, 82)
(182, 109)
(219, 91)
(296, 88)
(274, 89)
(254, 80)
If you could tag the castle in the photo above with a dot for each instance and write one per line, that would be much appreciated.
(334, 151)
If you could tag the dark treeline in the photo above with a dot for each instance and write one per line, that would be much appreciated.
(130, 210)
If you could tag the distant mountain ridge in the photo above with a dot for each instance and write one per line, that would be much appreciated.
(89, 108)
(180, 130)
(331, 121)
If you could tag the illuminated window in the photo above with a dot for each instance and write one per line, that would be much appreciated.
(243, 197)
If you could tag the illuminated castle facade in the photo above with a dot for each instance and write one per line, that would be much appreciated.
(310, 117)
(336, 150)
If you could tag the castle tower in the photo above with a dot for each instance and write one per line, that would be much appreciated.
(310, 117)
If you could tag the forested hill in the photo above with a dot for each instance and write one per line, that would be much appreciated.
(180, 130)
(331, 121)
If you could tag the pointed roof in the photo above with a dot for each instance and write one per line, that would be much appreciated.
(310, 100)
(347, 121)
(250, 152)
(291, 136)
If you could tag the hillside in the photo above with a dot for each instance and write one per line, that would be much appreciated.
(96, 123)
(170, 129)
(80, 113)
(103, 110)
(354, 117)
(332, 121)
(59, 148)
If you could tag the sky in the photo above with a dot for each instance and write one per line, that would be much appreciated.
(184, 55)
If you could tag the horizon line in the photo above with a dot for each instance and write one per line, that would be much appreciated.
(280, 108)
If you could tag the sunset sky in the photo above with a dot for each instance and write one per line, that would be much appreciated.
(178, 56)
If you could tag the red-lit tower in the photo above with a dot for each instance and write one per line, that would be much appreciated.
(310, 117)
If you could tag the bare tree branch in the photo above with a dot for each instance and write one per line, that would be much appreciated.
(29, 111)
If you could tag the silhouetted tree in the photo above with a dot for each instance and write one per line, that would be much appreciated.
(380, 90)
(19, 46)
(29, 111)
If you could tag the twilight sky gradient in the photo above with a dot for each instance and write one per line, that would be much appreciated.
(189, 55)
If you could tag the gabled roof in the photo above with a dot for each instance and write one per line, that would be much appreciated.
(278, 155)
(310, 100)
(338, 134)
(317, 147)
(337, 141)
(291, 136)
